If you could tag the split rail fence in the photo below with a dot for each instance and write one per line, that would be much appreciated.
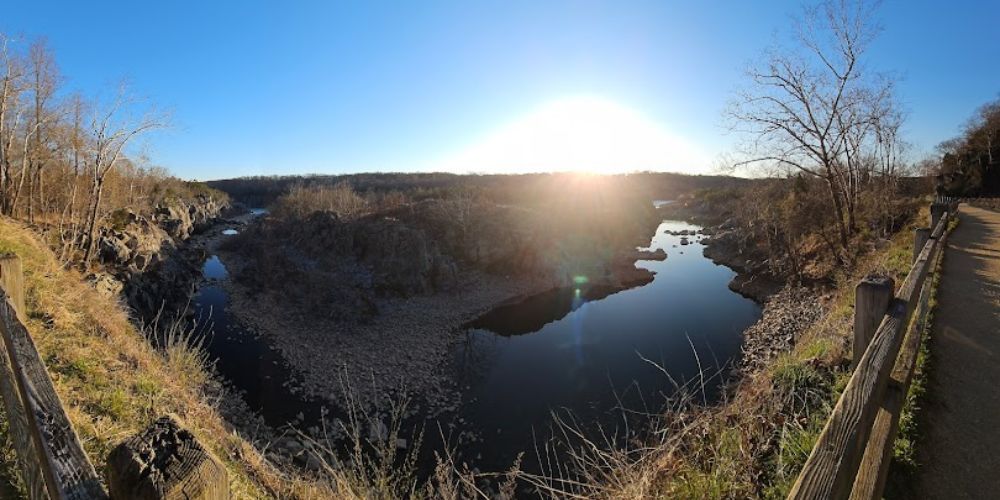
(852, 455)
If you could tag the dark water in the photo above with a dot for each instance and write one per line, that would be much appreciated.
(564, 349)
(579, 350)
(245, 361)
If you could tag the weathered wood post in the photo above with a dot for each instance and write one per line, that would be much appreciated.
(165, 462)
(12, 281)
(937, 210)
(920, 237)
(52, 459)
(871, 301)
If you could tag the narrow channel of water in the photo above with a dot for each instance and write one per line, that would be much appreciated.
(248, 363)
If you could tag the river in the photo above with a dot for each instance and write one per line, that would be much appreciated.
(569, 350)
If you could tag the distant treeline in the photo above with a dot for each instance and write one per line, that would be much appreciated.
(262, 191)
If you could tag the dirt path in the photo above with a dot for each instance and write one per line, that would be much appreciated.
(960, 451)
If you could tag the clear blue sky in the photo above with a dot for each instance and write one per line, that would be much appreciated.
(262, 87)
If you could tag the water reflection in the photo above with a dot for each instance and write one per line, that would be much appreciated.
(552, 351)
(531, 314)
(246, 361)
(214, 269)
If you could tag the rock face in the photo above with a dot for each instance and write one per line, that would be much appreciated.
(147, 255)
(180, 220)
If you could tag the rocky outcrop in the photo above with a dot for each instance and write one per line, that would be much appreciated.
(147, 255)
(181, 219)
(754, 279)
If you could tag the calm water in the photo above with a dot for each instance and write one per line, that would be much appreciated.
(582, 351)
(248, 363)
(561, 350)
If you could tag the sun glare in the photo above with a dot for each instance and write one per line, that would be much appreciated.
(585, 134)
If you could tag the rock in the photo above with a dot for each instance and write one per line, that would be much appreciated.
(105, 284)
(658, 254)
(149, 257)
(377, 431)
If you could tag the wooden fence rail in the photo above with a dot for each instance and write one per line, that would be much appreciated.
(49, 453)
(51, 460)
(851, 457)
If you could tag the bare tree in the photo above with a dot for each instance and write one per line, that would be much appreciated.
(113, 129)
(812, 108)
(11, 87)
(44, 79)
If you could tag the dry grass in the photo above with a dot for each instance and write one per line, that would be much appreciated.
(113, 383)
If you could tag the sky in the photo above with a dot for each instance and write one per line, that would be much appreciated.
(269, 87)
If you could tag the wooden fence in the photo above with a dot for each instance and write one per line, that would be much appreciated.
(50, 458)
(851, 457)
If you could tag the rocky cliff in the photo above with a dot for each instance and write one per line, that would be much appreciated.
(146, 257)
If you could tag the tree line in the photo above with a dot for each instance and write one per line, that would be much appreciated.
(970, 163)
(264, 191)
(64, 157)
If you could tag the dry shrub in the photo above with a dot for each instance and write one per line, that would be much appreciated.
(300, 201)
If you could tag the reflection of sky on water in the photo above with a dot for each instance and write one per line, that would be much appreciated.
(586, 353)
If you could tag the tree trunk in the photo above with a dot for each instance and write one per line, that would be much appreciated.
(96, 192)
(838, 206)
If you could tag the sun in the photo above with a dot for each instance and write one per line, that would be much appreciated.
(580, 133)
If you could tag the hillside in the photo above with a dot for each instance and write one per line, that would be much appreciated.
(113, 383)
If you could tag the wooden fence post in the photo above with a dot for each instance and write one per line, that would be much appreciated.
(920, 237)
(165, 462)
(12, 281)
(871, 301)
(937, 210)
(50, 454)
